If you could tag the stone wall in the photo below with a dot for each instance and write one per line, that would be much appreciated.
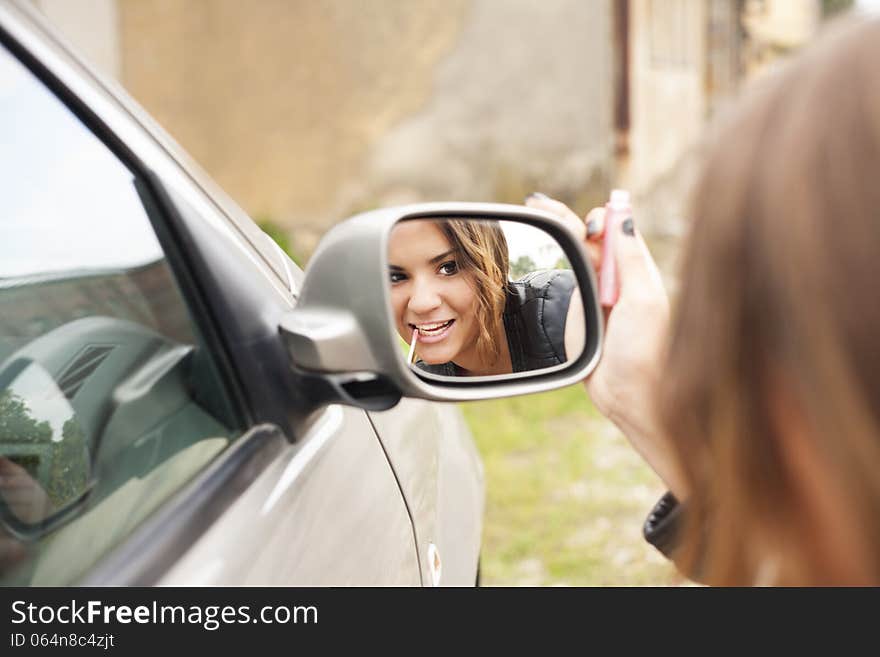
(92, 27)
(308, 111)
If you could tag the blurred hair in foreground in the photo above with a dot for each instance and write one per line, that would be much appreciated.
(771, 390)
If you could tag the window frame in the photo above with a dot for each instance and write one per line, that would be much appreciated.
(157, 543)
(164, 219)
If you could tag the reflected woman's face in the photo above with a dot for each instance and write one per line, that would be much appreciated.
(430, 294)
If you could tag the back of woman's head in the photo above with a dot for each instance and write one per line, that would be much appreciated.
(772, 381)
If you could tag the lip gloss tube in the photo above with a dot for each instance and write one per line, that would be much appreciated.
(412, 347)
(616, 211)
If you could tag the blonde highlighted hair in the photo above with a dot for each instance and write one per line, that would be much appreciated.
(481, 251)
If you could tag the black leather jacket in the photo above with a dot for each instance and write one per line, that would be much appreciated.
(534, 318)
(534, 322)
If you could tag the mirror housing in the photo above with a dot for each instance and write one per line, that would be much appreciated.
(340, 331)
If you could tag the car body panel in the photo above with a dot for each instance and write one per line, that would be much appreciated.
(318, 516)
(433, 454)
(337, 514)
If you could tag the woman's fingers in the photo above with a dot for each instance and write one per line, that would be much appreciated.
(8, 467)
(22, 494)
(594, 251)
(588, 231)
(635, 265)
(595, 233)
(595, 223)
(12, 551)
(542, 202)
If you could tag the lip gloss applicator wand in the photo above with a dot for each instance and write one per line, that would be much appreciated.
(412, 346)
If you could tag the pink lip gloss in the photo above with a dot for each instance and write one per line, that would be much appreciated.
(616, 211)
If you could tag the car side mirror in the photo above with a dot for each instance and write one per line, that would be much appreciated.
(445, 302)
(44, 456)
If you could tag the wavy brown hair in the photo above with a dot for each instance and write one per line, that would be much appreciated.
(777, 329)
(481, 251)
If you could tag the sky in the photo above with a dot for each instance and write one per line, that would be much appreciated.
(868, 5)
(67, 202)
(533, 242)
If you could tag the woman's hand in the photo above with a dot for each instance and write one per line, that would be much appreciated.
(623, 383)
(22, 494)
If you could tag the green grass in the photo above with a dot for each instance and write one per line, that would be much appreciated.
(282, 238)
(566, 495)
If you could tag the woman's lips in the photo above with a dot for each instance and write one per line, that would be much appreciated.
(431, 332)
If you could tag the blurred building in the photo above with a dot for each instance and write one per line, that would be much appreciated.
(683, 60)
(309, 110)
(776, 27)
(91, 26)
(306, 111)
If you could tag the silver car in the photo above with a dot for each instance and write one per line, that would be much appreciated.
(179, 403)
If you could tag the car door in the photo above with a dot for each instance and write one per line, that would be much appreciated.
(148, 414)
(441, 475)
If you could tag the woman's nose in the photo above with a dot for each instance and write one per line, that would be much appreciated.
(424, 299)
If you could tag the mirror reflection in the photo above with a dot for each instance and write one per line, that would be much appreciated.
(44, 456)
(478, 298)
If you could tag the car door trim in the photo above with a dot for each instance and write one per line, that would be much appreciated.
(158, 542)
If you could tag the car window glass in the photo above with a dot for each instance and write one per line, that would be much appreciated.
(109, 402)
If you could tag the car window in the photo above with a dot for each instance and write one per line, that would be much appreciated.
(109, 402)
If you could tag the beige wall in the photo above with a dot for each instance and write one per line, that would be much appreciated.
(280, 100)
(307, 111)
(776, 27)
(91, 25)
(783, 23)
(668, 96)
(521, 102)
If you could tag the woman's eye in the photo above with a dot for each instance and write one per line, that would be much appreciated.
(396, 277)
(449, 268)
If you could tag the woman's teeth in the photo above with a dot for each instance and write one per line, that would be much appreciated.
(433, 329)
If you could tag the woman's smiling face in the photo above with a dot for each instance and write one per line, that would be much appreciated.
(431, 295)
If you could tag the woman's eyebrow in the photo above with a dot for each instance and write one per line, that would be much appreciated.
(442, 256)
